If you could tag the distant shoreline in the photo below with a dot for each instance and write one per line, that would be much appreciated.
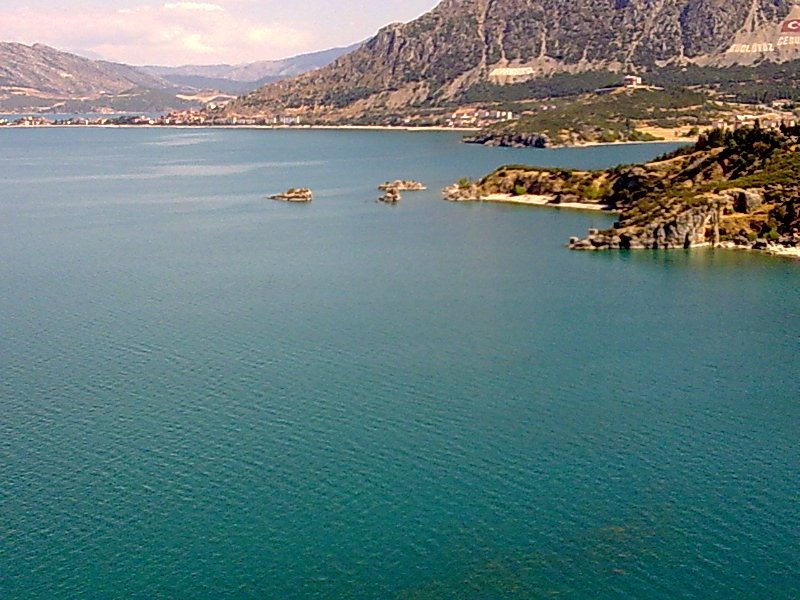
(421, 129)
(433, 128)
(687, 141)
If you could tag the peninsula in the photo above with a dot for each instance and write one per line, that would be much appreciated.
(733, 188)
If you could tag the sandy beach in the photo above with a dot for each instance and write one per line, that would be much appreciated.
(536, 200)
(670, 140)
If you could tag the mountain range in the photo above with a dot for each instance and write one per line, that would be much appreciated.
(246, 77)
(460, 50)
(51, 71)
(40, 78)
(438, 57)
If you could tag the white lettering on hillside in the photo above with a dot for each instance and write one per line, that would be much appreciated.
(512, 72)
(752, 48)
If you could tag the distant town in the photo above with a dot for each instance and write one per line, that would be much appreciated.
(468, 117)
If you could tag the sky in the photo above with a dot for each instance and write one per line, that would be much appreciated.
(178, 32)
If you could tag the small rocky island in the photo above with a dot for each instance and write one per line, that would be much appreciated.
(392, 190)
(736, 189)
(299, 195)
(392, 196)
(403, 185)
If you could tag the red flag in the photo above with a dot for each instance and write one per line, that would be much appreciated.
(791, 26)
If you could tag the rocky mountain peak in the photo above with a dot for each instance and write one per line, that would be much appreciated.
(462, 42)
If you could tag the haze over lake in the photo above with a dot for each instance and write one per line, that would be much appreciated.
(206, 394)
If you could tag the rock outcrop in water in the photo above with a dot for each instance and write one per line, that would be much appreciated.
(393, 189)
(392, 196)
(464, 191)
(403, 185)
(294, 195)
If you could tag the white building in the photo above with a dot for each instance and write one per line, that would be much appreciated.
(632, 81)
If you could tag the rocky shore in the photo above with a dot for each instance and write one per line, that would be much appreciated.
(557, 188)
(666, 238)
(789, 250)
(689, 229)
(466, 191)
(509, 140)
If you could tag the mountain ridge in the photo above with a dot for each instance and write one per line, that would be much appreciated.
(257, 70)
(460, 43)
(51, 71)
(38, 77)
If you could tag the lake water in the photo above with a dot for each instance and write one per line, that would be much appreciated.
(208, 395)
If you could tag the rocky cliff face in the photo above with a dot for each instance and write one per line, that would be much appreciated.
(740, 188)
(691, 227)
(509, 140)
(462, 42)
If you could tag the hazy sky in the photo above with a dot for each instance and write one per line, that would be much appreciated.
(175, 32)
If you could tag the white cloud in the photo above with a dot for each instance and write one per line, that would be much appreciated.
(171, 34)
(203, 6)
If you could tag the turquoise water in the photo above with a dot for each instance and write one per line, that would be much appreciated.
(204, 394)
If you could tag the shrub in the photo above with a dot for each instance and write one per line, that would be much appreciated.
(642, 136)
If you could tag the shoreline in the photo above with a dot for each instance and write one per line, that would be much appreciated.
(772, 250)
(545, 201)
(686, 141)
(410, 129)
(432, 128)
